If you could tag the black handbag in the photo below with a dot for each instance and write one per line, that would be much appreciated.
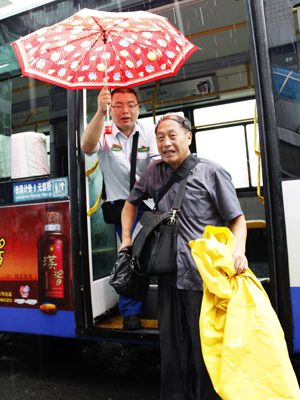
(155, 236)
(112, 210)
(155, 239)
(126, 279)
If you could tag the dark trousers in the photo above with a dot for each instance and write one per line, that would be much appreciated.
(183, 372)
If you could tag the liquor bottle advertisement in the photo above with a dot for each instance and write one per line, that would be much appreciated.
(35, 260)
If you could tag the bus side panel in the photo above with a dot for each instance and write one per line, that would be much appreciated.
(35, 268)
(295, 292)
(291, 199)
(24, 320)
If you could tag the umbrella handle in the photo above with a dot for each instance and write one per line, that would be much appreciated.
(105, 147)
(107, 108)
(107, 131)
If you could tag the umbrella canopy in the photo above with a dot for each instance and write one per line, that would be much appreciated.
(92, 49)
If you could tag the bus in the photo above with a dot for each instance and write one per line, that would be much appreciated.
(240, 90)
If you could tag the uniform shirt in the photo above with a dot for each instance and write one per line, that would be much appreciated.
(209, 199)
(115, 161)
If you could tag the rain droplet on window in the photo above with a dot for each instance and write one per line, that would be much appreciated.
(201, 15)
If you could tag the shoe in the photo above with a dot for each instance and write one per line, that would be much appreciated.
(132, 322)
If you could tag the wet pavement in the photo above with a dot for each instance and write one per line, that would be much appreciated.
(33, 367)
(37, 367)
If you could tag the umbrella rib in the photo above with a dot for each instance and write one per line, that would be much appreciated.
(119, 34)
(103, 31)
(94, 43)
(109, 30)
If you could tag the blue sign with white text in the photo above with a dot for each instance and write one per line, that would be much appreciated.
(40, 190)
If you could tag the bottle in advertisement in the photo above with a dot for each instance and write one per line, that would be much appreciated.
(54, 262)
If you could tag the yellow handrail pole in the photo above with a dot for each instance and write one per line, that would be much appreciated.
(258, 153)
(96, 205)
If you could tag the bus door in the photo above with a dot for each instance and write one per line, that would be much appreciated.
(99, 244)
(277, 79)
(102, 240)
(215, 90)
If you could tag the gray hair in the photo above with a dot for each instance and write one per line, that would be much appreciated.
(184, 122)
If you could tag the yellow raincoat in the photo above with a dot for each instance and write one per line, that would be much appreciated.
(242, 340)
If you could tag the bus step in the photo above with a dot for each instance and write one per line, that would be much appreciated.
(116, 322)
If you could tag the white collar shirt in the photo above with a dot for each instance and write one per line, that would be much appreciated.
(115, 162)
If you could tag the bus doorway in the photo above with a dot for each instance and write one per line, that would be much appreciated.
(215, 90)
(102, 237)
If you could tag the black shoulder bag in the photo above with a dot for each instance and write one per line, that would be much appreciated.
(112, 210)
(154, 243)
(155, 236)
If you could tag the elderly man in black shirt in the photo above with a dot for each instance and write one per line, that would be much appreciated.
(209, 199)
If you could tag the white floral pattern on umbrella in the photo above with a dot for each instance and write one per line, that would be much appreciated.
(93, 48)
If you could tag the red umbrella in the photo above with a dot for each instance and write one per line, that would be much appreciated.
(92, 49)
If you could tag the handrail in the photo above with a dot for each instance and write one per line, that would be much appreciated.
(258, 153)
(96, 205)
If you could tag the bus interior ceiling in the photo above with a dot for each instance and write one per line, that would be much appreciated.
(219, 72)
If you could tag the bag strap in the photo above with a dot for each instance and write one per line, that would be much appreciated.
(180, 173)
(133, 159)
(132, 164)
(103, 189)
(179, 195)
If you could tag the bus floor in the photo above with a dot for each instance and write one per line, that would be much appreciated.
(116, 322)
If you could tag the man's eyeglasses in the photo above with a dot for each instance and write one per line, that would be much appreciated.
(120, 106)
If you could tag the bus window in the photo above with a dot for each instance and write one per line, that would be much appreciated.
(33, 117)
(284, 56)
(227, 145)
(253, 160)
(225, 113)
(33, 130)
(5, 123)
(227, 137)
